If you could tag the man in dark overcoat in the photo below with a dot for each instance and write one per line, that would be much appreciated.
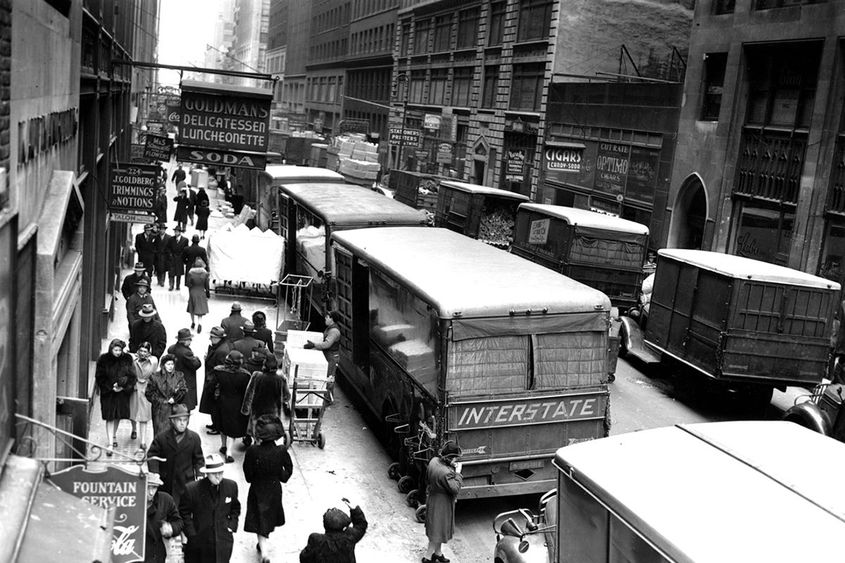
(210, 509)
(217, 350)
(187, 363)
(193, 252)
(148, 328)
(182, 450)
(233, 324)
(136, 301)
(127, 288)
(177, 246)
(145, 247)
(163, 520)
(179, 175)
(248, 343)
(162, 254)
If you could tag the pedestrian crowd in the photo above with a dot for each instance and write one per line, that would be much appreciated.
(245, 395)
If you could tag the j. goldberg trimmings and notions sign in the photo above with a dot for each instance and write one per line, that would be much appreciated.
(230, 119)
(132, 192)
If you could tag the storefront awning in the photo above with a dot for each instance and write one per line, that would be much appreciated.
(42, 523)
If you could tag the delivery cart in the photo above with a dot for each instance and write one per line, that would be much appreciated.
(308, 369)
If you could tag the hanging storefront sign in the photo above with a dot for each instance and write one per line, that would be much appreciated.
(612, 167)
(118, 488)
(158, 147)
(407, 137)
(431, 121)
(642, 174)
(132, 192)
(136, 151)
(515, 165)
(444, 153)
(219, 158)
(218, 119)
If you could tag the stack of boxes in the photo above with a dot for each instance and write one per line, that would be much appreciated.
(355, 158)
(308, 367)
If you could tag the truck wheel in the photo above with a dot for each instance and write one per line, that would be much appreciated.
(393, 471)
(406, 484)
(412, 499)
(321, 441)
(420, 514)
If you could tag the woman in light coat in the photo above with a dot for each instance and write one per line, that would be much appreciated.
(196, 280)
(140, 408)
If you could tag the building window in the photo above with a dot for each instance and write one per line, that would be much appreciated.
(442, 33)
(782, 84)
(491, 86)
(417, 86)
(768, 4)
(405, 41)
(467, 28)
(714, 80)
(461, 86)
(723, 6)
(421, 37)
(437, 91)
(527, 86)
(496, 29)
(535, 16)
(764, 233)
(769, 165)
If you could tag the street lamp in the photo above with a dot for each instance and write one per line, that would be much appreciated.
(403, 79)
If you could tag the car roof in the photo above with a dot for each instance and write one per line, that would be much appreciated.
(352, 205)
(278, 173)
(740, 267)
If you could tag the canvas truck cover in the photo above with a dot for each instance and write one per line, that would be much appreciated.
(740, 267)
(348, 205)
(464, 278)
(483, 190)
(716, 492)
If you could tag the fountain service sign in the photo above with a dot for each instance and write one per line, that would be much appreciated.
(118, 488)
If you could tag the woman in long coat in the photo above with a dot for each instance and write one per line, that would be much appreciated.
(139, 407)
(203, 211)
(115, 377)
(444, 484)
(165, 388)
(266, 467)
(196, 280)
(230, 382)
(263, 394)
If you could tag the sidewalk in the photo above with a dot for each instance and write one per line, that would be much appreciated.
(348, 467)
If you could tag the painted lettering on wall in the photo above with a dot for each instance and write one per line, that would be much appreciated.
(41, 134)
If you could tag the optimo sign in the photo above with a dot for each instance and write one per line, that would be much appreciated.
(118, 488)
(132, 192)
(225, 119)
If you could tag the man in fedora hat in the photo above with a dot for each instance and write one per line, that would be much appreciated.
(148, 328)
(145, 247)
(193, 252)
(210, 510)
(127, 288)
(187, 363)
(233, 324)
(138, 299)
(248, 342)
(177, 246)
(181, 449)
(163, 520)
(218, 348)
(163, 258)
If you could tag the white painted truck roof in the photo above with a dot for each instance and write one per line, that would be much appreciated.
(484, 190)
(586, 218)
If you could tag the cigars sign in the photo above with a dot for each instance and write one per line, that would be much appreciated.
(113, 487)
(224, 125)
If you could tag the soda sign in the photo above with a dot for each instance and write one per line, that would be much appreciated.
(215, 157)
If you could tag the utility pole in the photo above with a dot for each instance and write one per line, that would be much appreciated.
(403, 78)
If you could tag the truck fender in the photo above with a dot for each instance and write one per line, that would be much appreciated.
(809, 415)
(628, 333)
